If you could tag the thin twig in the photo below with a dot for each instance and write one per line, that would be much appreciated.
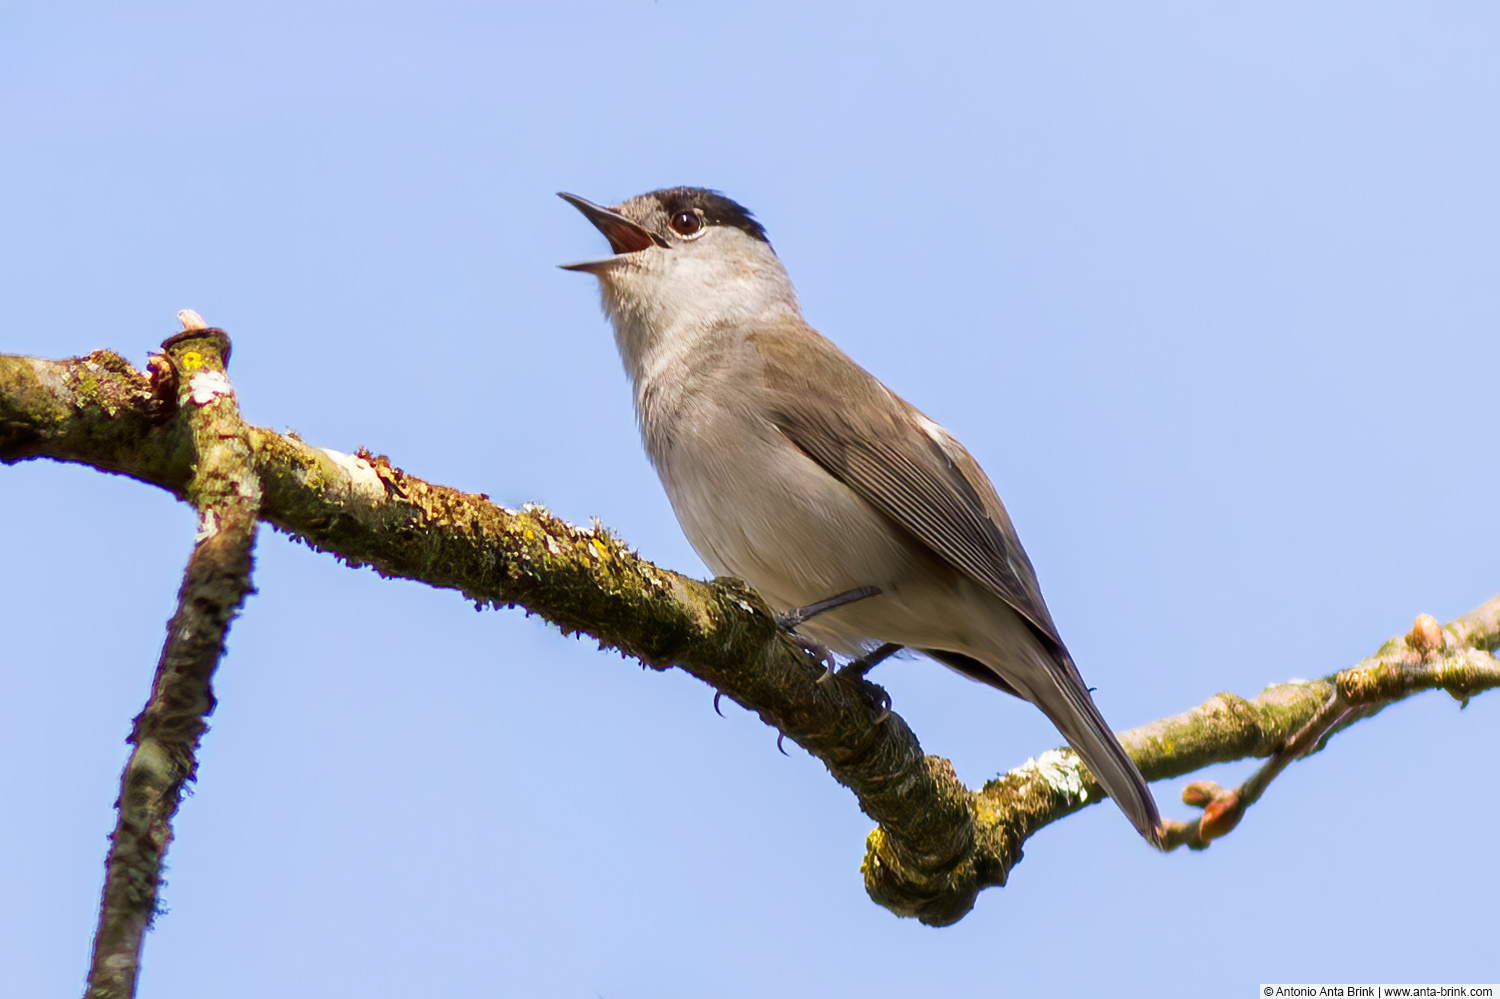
(1454, 658)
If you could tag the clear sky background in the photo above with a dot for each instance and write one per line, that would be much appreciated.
(1211, 293)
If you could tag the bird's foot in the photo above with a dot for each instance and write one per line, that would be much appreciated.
(874, 692)
(819, 652)
(876, 695)
(789, 621)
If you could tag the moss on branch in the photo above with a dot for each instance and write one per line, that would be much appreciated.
(938, 843)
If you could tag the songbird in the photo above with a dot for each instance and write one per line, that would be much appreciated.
(791, 467)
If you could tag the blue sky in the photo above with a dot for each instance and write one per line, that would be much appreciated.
(1211, 294)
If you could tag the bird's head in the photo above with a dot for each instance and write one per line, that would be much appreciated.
(685, 259)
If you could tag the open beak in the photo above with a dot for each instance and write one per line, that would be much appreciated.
(624, 235)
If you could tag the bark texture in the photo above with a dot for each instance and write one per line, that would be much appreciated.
(192, 396)
(937, 844)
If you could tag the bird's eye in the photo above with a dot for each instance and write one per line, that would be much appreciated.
(687, 224)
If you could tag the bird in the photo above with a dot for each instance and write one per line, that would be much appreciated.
(794, 469)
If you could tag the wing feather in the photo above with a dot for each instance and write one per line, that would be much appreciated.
(907, 467)
(918, 475)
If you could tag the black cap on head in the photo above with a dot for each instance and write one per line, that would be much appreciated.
(717, 209)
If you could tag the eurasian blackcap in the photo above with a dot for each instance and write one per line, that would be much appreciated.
(794, 469)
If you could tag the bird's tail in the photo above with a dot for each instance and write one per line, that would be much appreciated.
(1064, 698)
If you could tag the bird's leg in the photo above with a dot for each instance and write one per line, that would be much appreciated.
(788, 622)
(869, 661)
(795, 616)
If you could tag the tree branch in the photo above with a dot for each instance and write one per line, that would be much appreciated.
(937, 844)
(1455, 659)
(190, 379)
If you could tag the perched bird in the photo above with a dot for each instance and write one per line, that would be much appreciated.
(794, 469)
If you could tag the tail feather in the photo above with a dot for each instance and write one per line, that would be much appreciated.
(1049, 680)
(1066, 701)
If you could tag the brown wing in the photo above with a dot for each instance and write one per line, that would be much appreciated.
(915, 473)
(877, 445)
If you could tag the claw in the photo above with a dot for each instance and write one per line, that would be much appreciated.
(779, 737)
(878, 697)
(861, 666)
(718, 694)
(819, 652)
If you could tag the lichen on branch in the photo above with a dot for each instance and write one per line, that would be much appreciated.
(191, 390)
(938, 843)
